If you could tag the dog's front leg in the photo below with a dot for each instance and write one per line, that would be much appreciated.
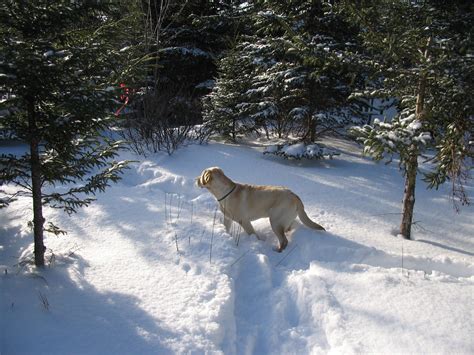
(227, 223)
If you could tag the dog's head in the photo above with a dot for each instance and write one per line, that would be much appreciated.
(207, 176)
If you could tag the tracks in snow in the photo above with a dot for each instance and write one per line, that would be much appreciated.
(288, 303)
(278, 310)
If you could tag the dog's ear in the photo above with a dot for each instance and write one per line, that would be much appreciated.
(207, 176)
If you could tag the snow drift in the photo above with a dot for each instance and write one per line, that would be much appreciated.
(149, 268)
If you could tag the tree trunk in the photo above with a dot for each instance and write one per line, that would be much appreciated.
(234, 130)
(411, 167)
(312, 129)
(279, 123)
(409, 196)
(35, 165)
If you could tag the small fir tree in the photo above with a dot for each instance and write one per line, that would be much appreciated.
(223, 110)
(420, 54)
(59, 64)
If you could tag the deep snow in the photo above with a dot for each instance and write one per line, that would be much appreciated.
(149, 269)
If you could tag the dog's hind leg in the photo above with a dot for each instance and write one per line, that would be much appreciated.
(291, 226)
(248, 228)
(279, 230)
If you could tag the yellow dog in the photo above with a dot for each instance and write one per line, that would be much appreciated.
(244, 203)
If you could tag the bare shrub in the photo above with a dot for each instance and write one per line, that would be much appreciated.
(162, 122)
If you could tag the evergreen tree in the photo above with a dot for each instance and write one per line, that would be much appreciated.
(59, 63)
(223, 110)
(421, 54)
(191, 37)
(275, 100)
(298, 82)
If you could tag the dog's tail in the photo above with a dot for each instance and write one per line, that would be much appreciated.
(304, 217)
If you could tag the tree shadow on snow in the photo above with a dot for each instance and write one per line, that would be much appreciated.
(307, 246)
(444, 246)
(59, 312)
(12, 243)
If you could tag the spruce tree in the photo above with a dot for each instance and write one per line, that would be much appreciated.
(419, 53)
(59, 64)
(224, 112)
(298, 82)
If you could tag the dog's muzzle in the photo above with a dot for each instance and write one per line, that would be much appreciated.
(198, 182)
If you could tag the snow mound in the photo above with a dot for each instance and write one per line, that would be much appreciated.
(301, 150)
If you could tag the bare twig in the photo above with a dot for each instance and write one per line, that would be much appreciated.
(291, 251)
(236, 233)
(418, 225)
(192, 214)
(169, 217)
(169, 206)
(73, 251)
(212, 234)
(180, 207)
(44, 300)
(402, 255)
(52, 259)
(385, 214)
(176, 241)
(239, 258)
(166, 213)
(403, 259)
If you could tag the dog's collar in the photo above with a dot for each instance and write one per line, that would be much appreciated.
(227, 194)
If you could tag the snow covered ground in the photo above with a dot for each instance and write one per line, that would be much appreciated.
(149, 269)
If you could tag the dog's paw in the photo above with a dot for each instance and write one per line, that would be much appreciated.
(188, 269)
